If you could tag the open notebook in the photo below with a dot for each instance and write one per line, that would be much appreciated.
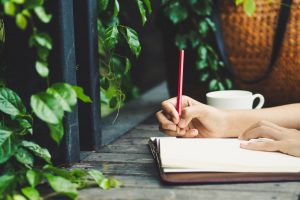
(222, 157)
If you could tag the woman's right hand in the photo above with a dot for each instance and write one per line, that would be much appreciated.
(197, 119)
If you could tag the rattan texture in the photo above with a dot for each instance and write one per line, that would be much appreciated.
(249, 42)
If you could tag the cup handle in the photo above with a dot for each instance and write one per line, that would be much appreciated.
(261, 100)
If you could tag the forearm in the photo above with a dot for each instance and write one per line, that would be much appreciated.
(287, 116)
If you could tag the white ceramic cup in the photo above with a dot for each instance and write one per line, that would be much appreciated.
(234, 99)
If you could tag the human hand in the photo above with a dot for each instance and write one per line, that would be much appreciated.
(197, 119)
(285, 140)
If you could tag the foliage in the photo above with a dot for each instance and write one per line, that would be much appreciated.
(20, 175)
(18, 155)
(195, 34)
(115, 78)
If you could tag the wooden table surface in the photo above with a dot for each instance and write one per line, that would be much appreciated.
(129, 160)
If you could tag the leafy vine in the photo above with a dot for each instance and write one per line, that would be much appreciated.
(115, 82)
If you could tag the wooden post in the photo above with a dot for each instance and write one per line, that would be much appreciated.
(88, 72)
(71, 146)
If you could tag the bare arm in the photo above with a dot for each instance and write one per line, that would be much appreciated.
(287, 116)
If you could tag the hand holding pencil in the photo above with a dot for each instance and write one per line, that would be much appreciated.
(183, 116)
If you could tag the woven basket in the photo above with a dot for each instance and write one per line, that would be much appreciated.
(248, 43)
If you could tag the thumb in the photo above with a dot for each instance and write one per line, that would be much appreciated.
(188, 113)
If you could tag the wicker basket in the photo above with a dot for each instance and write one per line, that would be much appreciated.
(248, 42)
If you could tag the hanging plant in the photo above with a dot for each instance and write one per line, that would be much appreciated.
(115, 80)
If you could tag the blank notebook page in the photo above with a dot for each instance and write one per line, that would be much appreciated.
(220, 155)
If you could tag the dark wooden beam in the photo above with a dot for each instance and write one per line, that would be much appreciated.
(88, 72)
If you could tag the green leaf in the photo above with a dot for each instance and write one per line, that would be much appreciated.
(181, 41)
(192, 2)
(203, 28)
(26, 13)
(47, 107)
(104, 83)
(116, 8)
(24, 157)
(5, 134)
(8, 149)
(221, 86)
(56, 132)
(31, 193)
(142, 10)
(228, 83)
(148, 5)
(133, 41)
(42, 15)
(37, 150)
(202, 52)
(25, 124)
(114, 182)
(249, 7)
(43, 53)
(65, 94)
(42, 68)
(18, 1)
(62, 185)
(204, 76)
(80, 94)
(111, 36)
(176, 12)
(99, 179)
(9, 8)
(6, 182)
(113, 102)
(21, 21)
(58, 171)
(127, 66)
(18, 197)
(43, 40)
(103, 4)
(10, 103)
(211, 24)
(194, 38)
(213, 85)
(201, 64)
(33, 177)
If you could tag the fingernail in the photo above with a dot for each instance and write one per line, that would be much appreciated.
(194, 132)
(172, 127)
(181, 123)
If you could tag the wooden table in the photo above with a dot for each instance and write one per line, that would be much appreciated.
(130, 160)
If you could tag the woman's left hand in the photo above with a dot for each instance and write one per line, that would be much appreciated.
(285, 140)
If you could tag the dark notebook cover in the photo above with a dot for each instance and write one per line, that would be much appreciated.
(218, 177)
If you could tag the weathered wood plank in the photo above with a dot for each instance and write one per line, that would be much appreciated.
(119, 157)
(131, 141)
(154, 182)
(108, 168)
(138, 133)
(137, 149)
(147, 193)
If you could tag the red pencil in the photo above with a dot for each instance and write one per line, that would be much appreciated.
(180, 79)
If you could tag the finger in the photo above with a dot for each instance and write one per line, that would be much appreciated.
(186, 101)
(164, 123)
(262, 146)
(170, 110)
(189, 113)
(261, 124)
(170, 133)
(261, 132)
(191, 133)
